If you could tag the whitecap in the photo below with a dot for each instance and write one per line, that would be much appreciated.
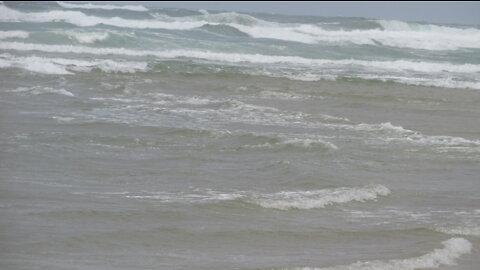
(13, 34)
(473, 230)
(286, 200)
(63, 66)
(398, 65)
(88, 37)
(430, 38)
(452, 249)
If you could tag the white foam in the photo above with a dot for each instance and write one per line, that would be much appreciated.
(452, 250)
(409, 35)
(310, 142)
(297, 142)
(97, 6)
(283, 95)
(13, 34)
(392, 133)
(63, 66)
(80, 19)
(199, 196)
(282, 200)
(398, 65)
(318, 198)
(87, 37)
(459, 230)
(430, 38)
(34, 64)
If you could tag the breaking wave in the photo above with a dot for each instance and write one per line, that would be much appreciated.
(284, 200)
(452, 249)
(459, 230)
(398, 65)
(389, 33)
(87, 37)
(319, 198)
(62, 66)
(13, 34)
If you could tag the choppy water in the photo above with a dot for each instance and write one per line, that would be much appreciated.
(143, 138)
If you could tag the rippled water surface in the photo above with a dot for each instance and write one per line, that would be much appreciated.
(143, 138)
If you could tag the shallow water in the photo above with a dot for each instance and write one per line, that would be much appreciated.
(142, 138)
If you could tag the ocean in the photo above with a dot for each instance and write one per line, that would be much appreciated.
(134, 137)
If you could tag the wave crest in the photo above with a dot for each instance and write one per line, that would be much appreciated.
(284, 200)
(319, 198)
(452, 249)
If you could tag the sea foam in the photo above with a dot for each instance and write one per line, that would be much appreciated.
(284, 200)
(318, 198)
(459, 230)
(397, 65)
(63, 66)
(13, 34)
(389, 33)
(452, 250)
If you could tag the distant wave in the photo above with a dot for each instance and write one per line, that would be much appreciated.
(375, 70)
(97, 6)
(63, 66)
(397, 65)
(81, 19)
(452, 249)
(295, 142)
(389, 33)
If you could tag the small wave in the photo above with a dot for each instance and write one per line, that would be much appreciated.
(296, 142)
(81, 19)
(284, 200)
(459, 230)
(97, 6)
(446, 82)
(319, 198)
(38, 90)
(283, 95)
(63, 66)
(88, 37)
(452, 249)
(392, 133)
(13, 34)
(34, 64)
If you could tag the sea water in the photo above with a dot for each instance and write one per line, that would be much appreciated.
(134, 137)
